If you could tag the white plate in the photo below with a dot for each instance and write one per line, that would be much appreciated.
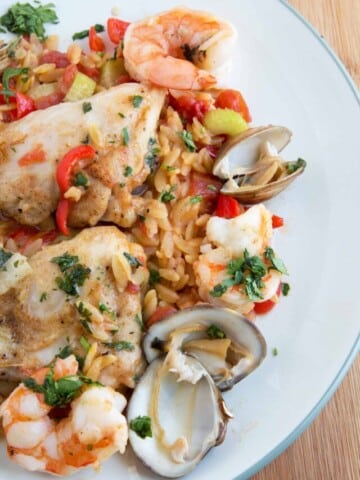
(289, 76)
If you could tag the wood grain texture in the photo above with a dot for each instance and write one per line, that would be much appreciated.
(330, 448)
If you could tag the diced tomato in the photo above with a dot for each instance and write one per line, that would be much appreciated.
(67, 163)
(207, 186)
(60, 59)
(277, 222)
(228, 207)
(261, 308)
(37, 155)
(235, 101)
(67, 79)
(132, 288)
(62, 213)
(116, 29)
(93, 73)
(189, 107)
(96, 43)
(49, 100)
(159, 314)
(22, 235)
(24, 104)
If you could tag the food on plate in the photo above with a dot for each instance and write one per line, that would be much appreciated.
(33, 149)
(74, 294)
(252, 166)
(177, 49)
(58, 421)
(226, 344)
(131, 232)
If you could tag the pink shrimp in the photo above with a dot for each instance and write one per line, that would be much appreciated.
(178, 48)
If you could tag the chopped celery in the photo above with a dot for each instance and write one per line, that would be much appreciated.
(111, 71)
(82, 87)
(42, 90)
(224, 121)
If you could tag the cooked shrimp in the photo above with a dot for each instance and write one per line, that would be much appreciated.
(93, 430)
(178, 48)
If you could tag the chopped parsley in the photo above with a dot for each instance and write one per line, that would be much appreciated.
(65, 352)
(293, 166)
(43, 297)
(23, 19)
(84, 343)
(87, 107)
(80, 180)
(75, 273)
(154, 277)
(285, 289)
(166, 195)
(128, 171)
(85, 316)
(60, 392)
(141, 425)
(152, 154)
(276, 263)
(4, 256)
(168, 168)
(275, 351)
(188, 140)
(133, 261)
(121, 115)
(137, 100)
(196, 199)
(218, 290)
(214, 332)
(126, 137)
(120, 345)
(105, 309)
(6, 76)
(85, 33)
(139, 321)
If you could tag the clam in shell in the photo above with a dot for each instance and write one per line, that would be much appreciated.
(252, 166)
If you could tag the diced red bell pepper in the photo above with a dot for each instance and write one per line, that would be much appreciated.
(189, 107)
(116, 29)
(62, 213)
(235, 101)
(37, 155)
(70, 159)
(24, 104)
(260, 308)
(59, 58)
(96, 43)
(228, 207)
(159, 314)
(91, 72)
(277, 222)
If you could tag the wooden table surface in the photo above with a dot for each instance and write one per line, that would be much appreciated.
(330, 448)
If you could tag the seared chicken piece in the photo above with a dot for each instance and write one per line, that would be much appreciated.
(79, 292)
(117, 126)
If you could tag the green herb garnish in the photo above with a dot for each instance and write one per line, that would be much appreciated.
(126, 137)
(105, 309)
(133, 261)
(137, 100)
(166, 195)
(214, 332)
(73, 279)
(4, 256)
(23, 19)
(141, 426)
(285, 289)
(196, 199)
(188, 140)
(139, 321)
(152, 154)
(276, 263)
(291, 167)
(154, 277)
(128, 171)
(43, 297)
(85, 316)
(80, 180)
(85, 33)
(275, 351)
(120, 345)
(65, 261)
(7, 75)
(84, 343)
(87, 107)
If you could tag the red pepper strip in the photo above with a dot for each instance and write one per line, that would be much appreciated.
(70, 159)
(277, 221)
(24, 105)
(116, 29)
(62, 213)
(228, 207)
(159, 314)
(63, 175)
(96, 43)
(37, 155)
(260, 308)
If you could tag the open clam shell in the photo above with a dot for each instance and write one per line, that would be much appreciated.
(188, 417)
(229, 346)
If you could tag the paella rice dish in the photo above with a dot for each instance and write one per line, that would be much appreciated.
(135, 238)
